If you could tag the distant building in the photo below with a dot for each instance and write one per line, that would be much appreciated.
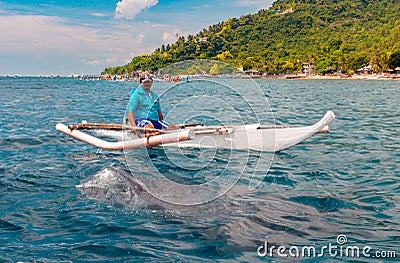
(397, 70)
(365, 70)
(289, 10)
(308, 68)
(252, 72)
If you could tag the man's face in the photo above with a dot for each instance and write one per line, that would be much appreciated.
(147, 84)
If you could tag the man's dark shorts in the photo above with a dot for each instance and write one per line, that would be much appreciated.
(156, 124)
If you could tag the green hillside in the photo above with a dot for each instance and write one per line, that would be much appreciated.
(337, 35)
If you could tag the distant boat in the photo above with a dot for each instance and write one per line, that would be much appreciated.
(292, 76)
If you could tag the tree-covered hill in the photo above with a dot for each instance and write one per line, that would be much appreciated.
(337, 35)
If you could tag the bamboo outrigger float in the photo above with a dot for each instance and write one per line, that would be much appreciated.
(253, 137)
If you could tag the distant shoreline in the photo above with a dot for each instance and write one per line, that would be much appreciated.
(283, 77)
(344, 77)
(302, 77)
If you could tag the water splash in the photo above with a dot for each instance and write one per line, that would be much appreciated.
(108, 186)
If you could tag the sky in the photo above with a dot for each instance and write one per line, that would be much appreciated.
(64, 37)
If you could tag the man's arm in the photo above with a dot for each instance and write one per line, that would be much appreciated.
(133, 124)
(160, 116)
(131, 119)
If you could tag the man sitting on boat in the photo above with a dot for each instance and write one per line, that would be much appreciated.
(144, 109)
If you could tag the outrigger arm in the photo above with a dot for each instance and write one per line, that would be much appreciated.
(182, 135)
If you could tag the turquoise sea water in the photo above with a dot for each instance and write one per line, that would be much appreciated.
(342, 183)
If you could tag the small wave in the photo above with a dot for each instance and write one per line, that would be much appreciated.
(21, 141)
(114, 252)
(16, 143)
(277, 227)
(324, 204)
(6, 226)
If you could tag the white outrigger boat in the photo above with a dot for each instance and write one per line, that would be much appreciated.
(252, 137)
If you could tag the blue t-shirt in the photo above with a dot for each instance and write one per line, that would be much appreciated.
(144, 105)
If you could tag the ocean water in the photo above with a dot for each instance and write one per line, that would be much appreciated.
(64, 201)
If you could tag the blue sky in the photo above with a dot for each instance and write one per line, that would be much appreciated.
(83, 37)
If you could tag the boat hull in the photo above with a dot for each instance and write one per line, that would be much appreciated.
(246, 137)
(258, 138)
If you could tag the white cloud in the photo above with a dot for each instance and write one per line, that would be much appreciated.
(40, 44)
(111, 60)
(168, 37)
(44, 35)
(105, 61)
(45, 40)
(94, 62)
(99, 15)
(141, 37)
(128, 9)
(255, 3)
